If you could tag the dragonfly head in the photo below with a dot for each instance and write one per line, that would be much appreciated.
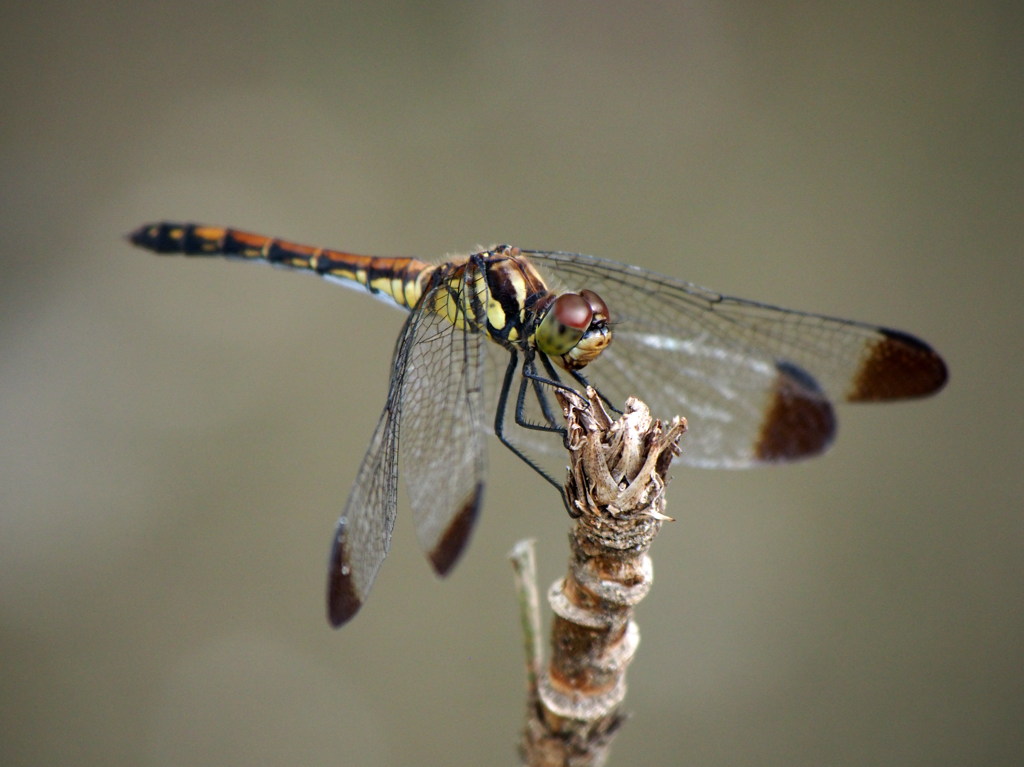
(574, 330)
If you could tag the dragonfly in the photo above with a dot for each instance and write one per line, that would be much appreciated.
(489, 337)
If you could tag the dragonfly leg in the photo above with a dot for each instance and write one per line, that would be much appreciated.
(582, 381)
(499, 427)
(540, 391)
(540, 386)
(553, 380)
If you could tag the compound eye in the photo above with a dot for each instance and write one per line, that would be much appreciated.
(573, 311)
(597, 304)
(564, 324)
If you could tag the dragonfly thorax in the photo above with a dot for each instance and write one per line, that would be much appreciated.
(574, 329)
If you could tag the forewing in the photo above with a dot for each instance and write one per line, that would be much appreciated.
(754, 381)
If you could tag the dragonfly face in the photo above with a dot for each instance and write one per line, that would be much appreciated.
(574, 329)
(756, 382)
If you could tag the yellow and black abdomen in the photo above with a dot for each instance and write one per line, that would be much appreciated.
(400, 279)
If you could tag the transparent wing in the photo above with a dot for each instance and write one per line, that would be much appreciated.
(433, 420)
(362, 536)
(753, 380)
(442, 449)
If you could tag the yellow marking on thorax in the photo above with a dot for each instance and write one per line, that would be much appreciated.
(498, 318)
(520, 278)
(460, 293)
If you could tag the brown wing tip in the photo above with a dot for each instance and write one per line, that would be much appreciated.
(799, 421)
(452, 543)
(342, 600)
(898, 366)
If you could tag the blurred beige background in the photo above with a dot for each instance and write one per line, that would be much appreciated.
(178, 437)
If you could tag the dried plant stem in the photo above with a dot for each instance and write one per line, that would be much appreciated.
(616, 487)
(524, 564)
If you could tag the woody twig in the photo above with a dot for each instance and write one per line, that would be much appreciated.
(616, 491)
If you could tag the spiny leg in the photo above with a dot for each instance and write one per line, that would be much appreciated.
(499, 426)
(582, 381)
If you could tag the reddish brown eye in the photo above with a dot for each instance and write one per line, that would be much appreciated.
(573, 311)
(564, 324)
(597, 304)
